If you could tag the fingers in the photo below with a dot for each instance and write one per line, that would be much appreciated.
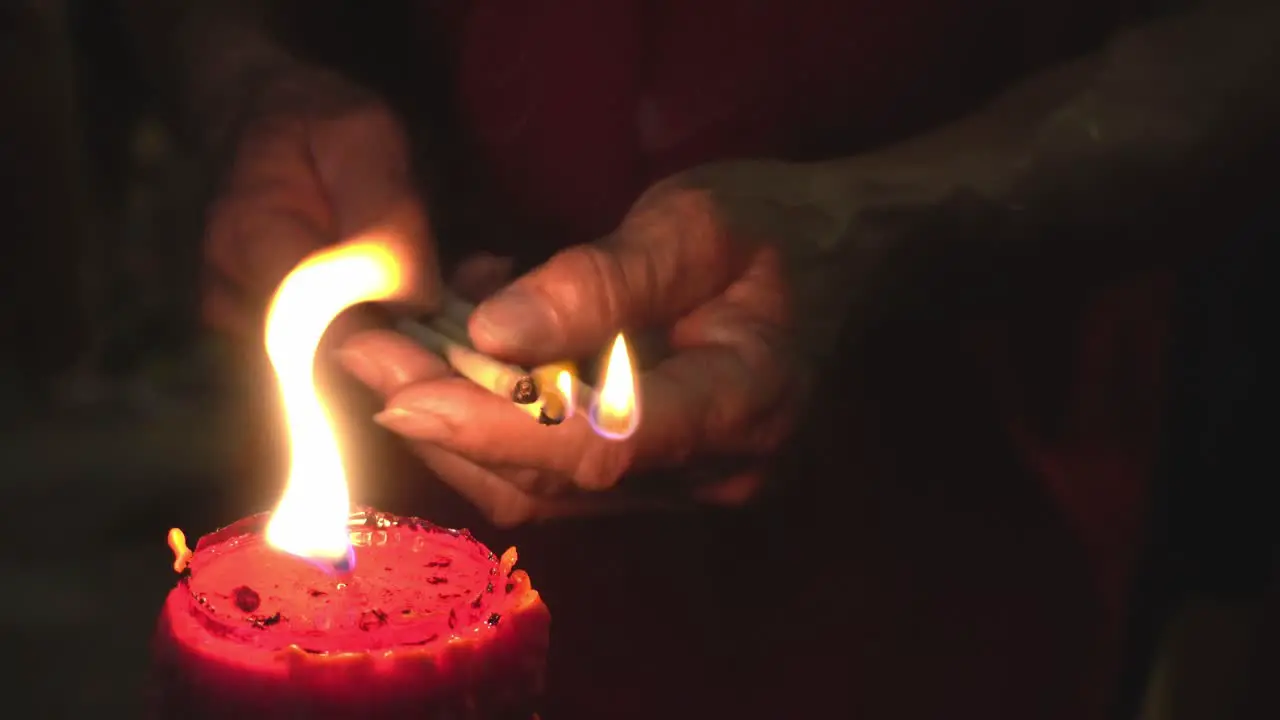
(272, 215)
(661, 264)
(734, 379)
(732, 387)
(504, 504)
(507, 503)
(257, 245)
(362, 158)
(298, 185)
(708, 400)
(388, 362)
(459, 416)
(712, 401)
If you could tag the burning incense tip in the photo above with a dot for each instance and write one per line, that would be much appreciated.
(525, 391)
(549, 394)
(553, 410)
(501, 379)
(181, 553)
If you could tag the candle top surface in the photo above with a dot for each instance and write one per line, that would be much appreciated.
(414, 584)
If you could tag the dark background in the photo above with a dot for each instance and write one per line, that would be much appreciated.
(915, 571)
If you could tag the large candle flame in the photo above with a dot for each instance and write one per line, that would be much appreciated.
(311, 519)
(616, 410)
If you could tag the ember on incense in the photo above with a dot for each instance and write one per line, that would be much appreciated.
(318, 611)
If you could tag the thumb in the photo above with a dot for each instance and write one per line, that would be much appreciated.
(663, 262)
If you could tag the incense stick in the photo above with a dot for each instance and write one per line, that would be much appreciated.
(497, 377)
(455, 315)
(542, 392)
(455, 310)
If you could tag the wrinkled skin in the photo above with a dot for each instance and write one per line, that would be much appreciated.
(301, 180)
(724, 390)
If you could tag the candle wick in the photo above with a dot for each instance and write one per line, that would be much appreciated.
(344, 565)
(341, 567)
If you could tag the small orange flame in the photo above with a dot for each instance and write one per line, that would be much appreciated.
(616, 412)
(311, 519)
(564, 384)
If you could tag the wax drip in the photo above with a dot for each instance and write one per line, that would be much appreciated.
(181, 553)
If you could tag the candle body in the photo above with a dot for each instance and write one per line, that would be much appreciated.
(429, 624)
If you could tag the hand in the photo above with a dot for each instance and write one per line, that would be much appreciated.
(319, 161)
(680, 263)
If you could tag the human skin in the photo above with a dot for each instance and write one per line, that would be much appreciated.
(1072, 164)
(1107, 140)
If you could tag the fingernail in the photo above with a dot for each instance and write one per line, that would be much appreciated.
(362, 366)
(420, 425)
(513, 320)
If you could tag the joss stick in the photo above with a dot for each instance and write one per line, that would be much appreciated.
(499, 378)
(455, 311)
(452, 320)
(541, 390)
(448, 328)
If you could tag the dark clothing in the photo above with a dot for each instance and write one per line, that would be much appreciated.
(568, 109)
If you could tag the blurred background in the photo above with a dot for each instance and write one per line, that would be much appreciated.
(119, 417)
(101, 277)
(112, 399)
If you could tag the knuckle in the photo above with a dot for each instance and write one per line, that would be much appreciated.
(456, 434)
(591, 261)
(682, 205)
(582, 281)
(366, 136)
(613, 283)
(526, 479)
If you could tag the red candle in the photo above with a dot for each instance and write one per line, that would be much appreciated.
(428, 624)
(318, 613)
